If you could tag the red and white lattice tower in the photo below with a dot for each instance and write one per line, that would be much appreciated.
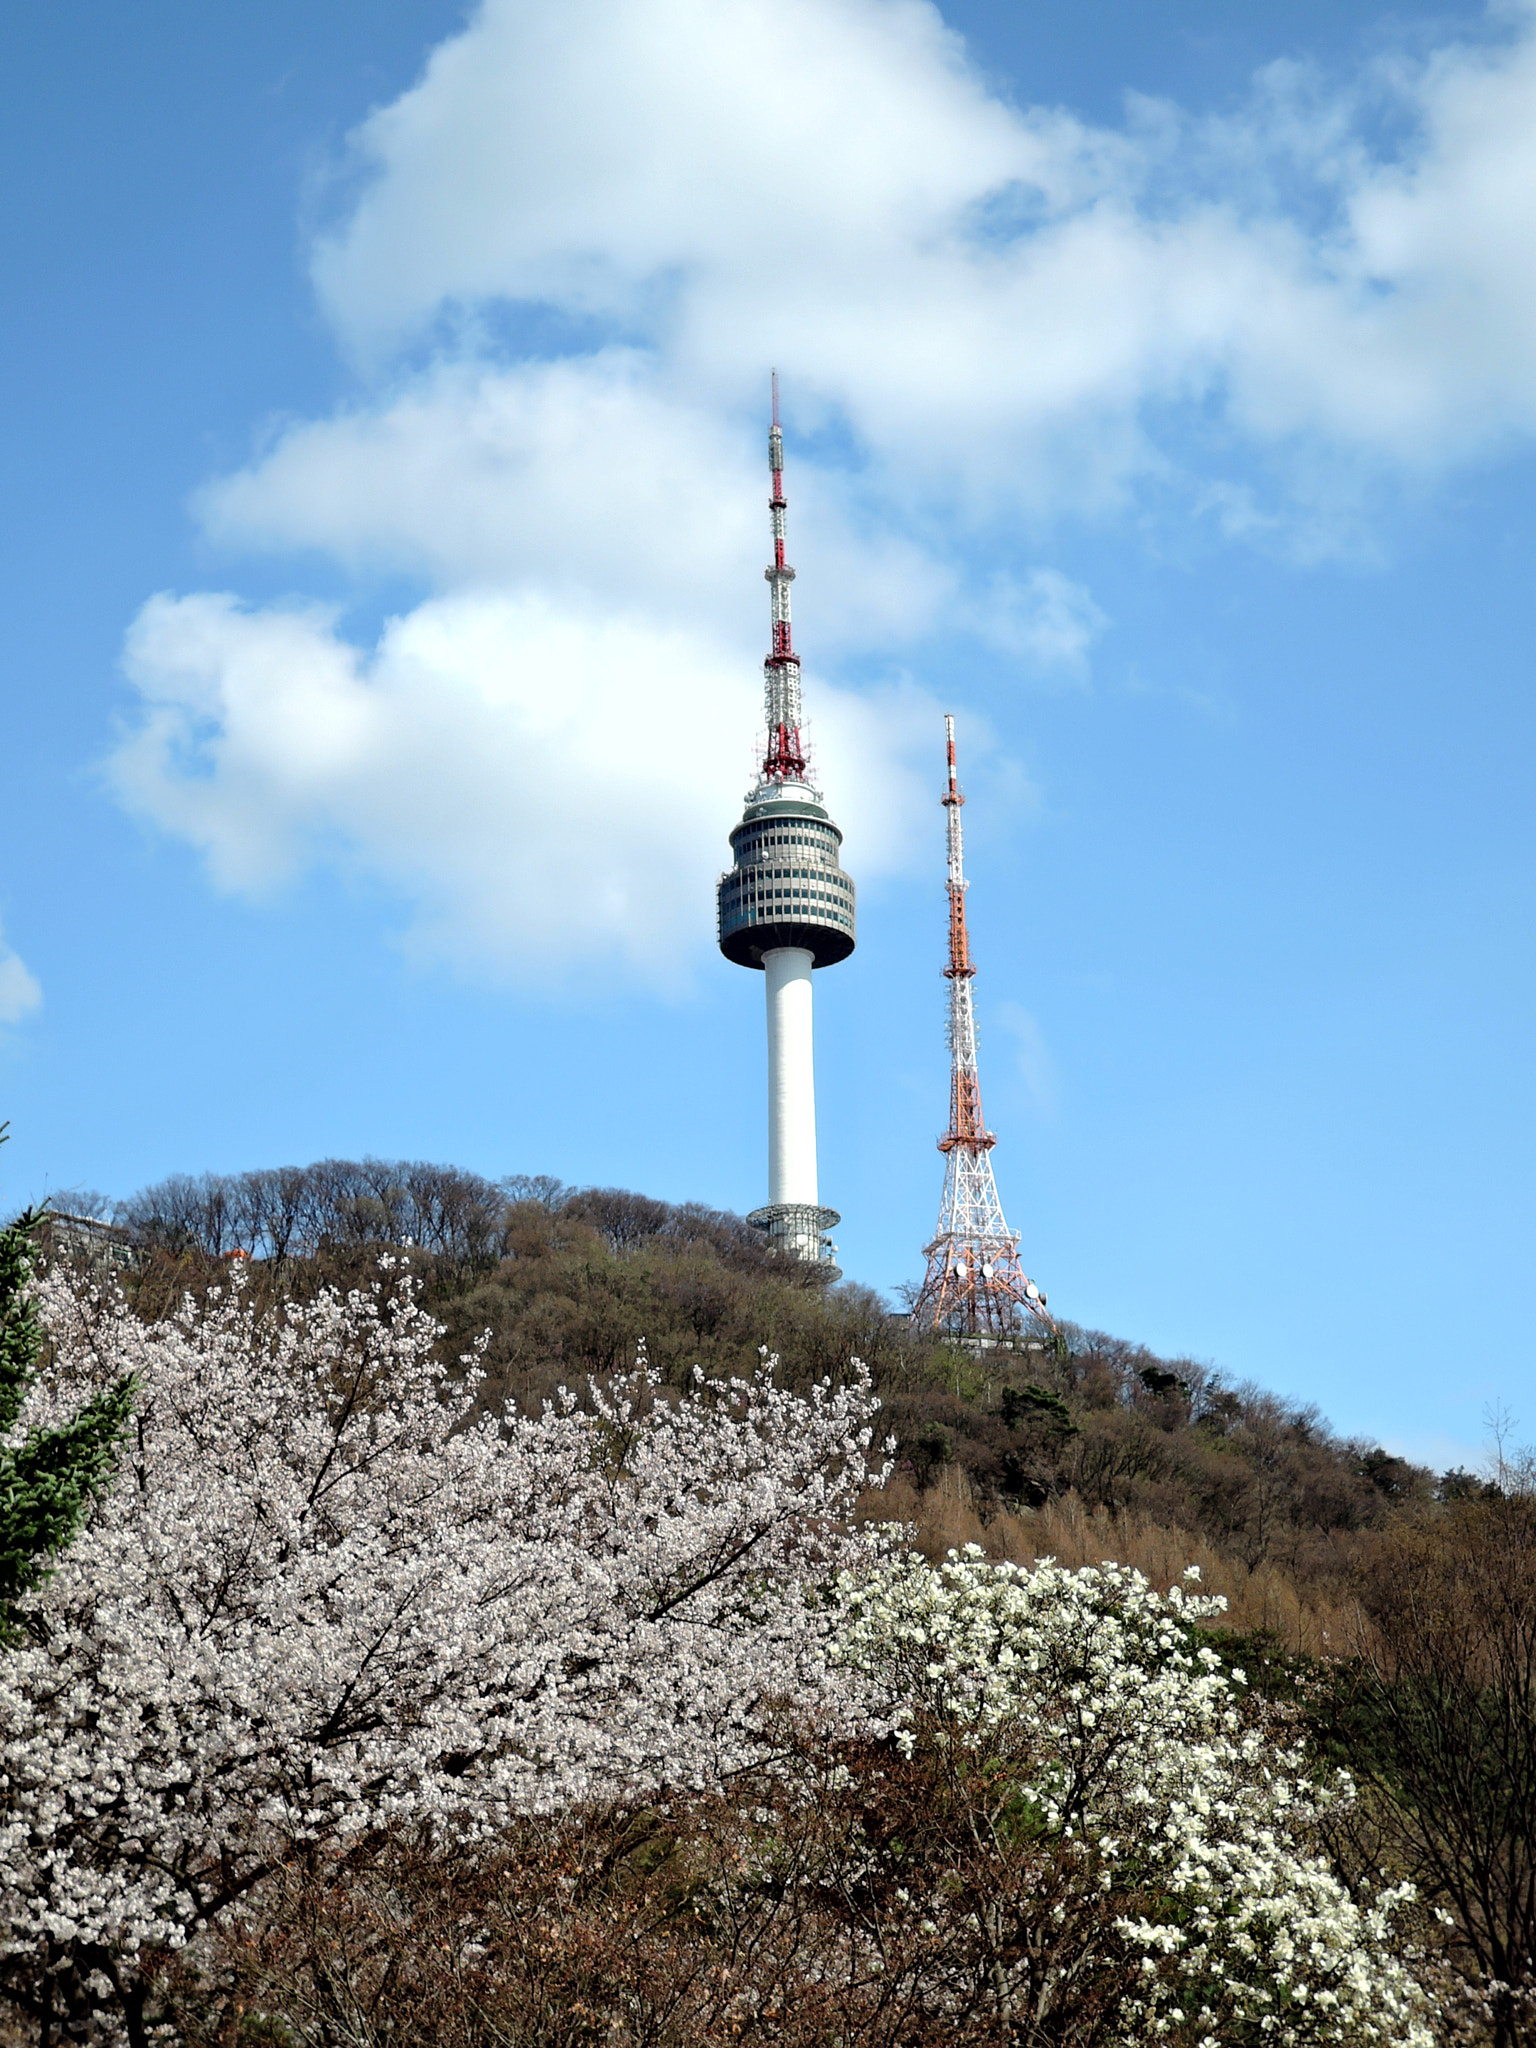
(786, 907)
(975, 1285)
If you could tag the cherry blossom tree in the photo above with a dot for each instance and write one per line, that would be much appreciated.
(327, 1595)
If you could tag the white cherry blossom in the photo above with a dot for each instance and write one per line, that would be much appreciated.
(325, 1593)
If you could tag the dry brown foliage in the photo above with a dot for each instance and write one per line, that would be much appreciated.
(1262, 1599)
(1436, 1711)
(862, 1901)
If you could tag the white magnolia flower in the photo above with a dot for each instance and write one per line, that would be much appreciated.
(1136, 1748)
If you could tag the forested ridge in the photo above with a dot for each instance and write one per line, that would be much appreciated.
(1377, 1617)
(565, 1281)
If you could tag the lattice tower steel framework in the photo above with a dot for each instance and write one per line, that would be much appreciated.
(785, 757)
(975, 1284)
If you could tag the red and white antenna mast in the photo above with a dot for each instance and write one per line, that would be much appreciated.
(975, 1285)
(785, 759)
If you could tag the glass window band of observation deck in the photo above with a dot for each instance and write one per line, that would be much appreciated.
(786, 888)
(760, 912)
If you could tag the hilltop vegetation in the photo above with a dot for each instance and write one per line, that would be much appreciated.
(1091, 1448)
(1379, 1617)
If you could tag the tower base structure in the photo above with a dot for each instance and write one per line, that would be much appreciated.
(976, 1287)
(800, 1228)
(793, 1215)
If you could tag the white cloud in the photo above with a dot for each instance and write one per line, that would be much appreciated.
(608, 159)
(546, 789)
(588, 481)
(20, 994)
(988, 293)
(567, 255)
(1032, 1057)
(1045, 618)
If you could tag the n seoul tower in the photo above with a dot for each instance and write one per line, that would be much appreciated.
(786, 908)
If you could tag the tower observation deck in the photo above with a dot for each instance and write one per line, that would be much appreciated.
(786, 908)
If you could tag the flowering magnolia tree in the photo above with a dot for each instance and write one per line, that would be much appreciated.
(1119, 1850)
(325, 1594)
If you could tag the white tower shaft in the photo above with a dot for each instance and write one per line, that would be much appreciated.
(791, 1077)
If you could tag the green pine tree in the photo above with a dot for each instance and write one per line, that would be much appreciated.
(48, 1478)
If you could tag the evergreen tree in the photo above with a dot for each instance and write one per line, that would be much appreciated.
(47, 1476)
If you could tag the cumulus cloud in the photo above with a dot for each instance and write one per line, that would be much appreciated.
(589, 480)
(19, 991)
(968, 283)
(544, 787)
(561, 264)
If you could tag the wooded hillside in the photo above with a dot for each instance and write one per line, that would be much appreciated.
(1383, 1614)
(1093, 1448)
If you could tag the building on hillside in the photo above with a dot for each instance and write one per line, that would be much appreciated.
(88, 1240)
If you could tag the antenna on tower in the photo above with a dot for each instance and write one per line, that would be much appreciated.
(975, 1287)
(784, 759)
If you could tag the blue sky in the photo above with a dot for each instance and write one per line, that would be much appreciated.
(384, 397)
